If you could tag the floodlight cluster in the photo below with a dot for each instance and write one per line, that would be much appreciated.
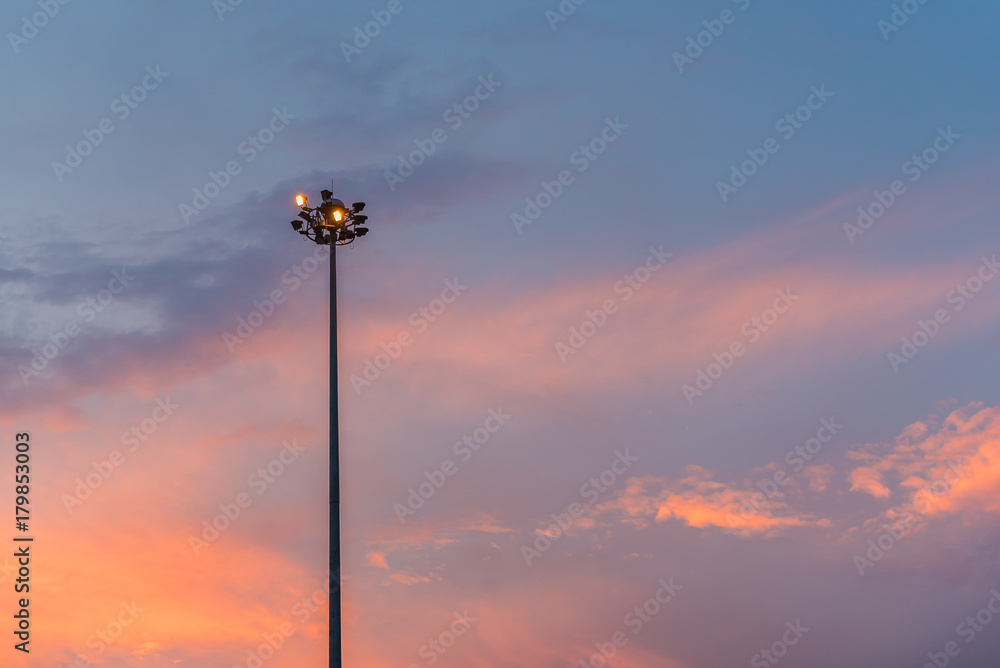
(330, 223)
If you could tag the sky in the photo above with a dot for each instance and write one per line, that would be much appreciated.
(674, 342)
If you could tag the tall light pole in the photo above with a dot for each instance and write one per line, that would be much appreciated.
(332, 224)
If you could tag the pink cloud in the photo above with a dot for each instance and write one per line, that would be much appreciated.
(951, 468)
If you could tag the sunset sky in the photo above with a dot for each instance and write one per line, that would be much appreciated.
(675, 337)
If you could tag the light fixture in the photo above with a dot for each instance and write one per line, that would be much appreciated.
(334, 212)
(330, 223)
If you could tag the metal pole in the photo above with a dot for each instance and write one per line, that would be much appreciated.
(335, 577)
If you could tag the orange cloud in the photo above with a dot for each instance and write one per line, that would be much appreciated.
(701, 502)
(949, 468)
(377, 559)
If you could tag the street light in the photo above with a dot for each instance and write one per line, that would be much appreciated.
(332, 224)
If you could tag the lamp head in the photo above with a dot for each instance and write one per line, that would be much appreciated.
(334, 213)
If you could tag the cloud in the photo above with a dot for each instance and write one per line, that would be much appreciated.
(950, 467)
(701, 502)
(377, 559)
